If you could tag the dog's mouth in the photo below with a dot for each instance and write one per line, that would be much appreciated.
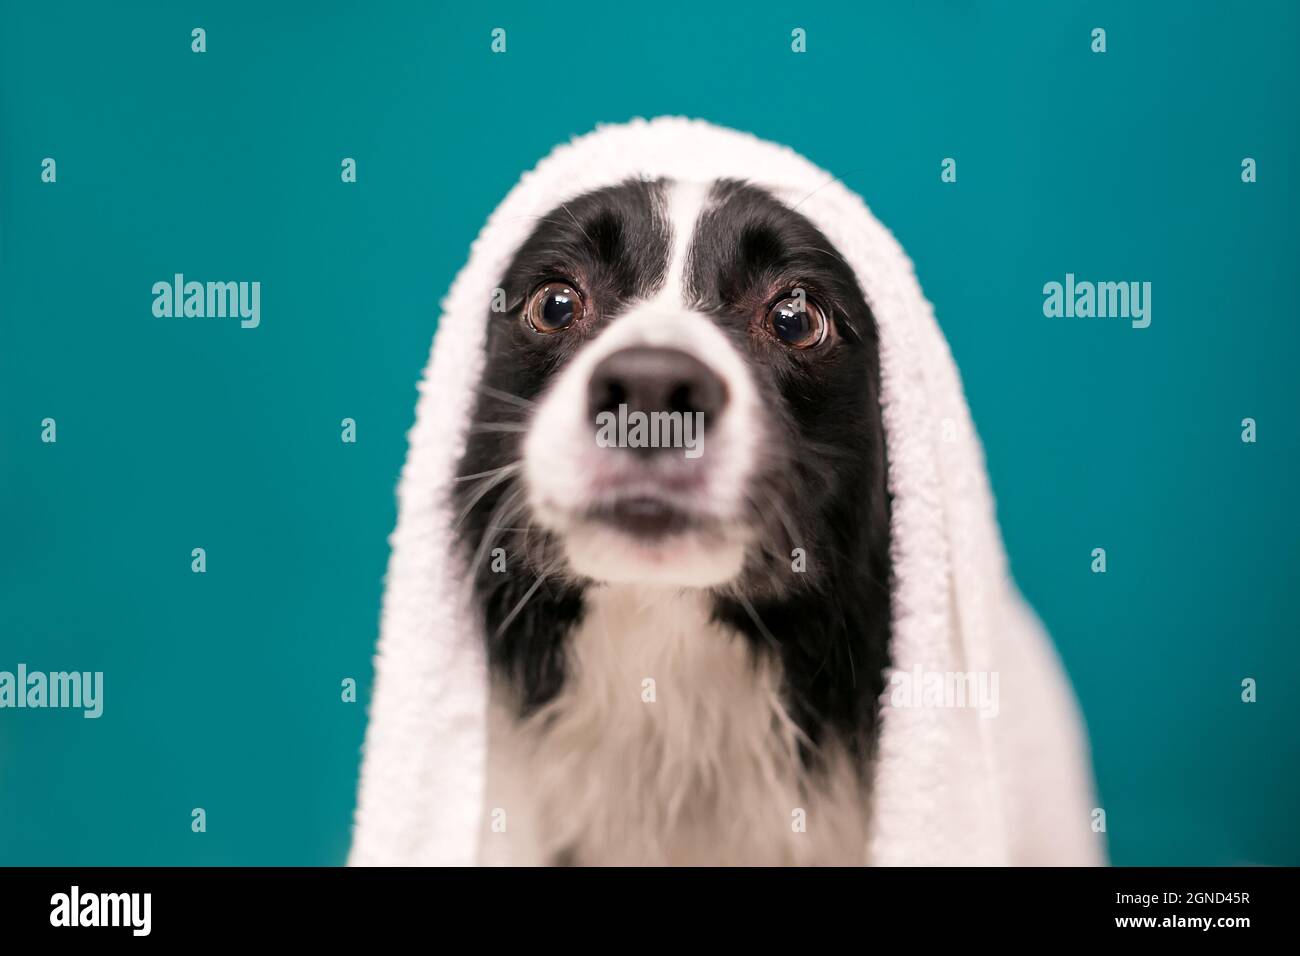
(647, 518)
(648, 538)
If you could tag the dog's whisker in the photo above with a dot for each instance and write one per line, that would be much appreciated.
(508, 507)
(504, 396)
(826, 252)
(749, 609)
(498, 475)
(800, 456)
(576, 223)
(512, 466)
(783, 515)
(552, 222)
(833, 179)
(510, 428)
(514, 613)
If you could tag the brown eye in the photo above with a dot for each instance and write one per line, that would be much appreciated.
(798, 323)
(553, 307)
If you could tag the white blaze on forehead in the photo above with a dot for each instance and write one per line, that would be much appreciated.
(686, 201)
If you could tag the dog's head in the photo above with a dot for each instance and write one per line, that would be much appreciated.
(681, 389)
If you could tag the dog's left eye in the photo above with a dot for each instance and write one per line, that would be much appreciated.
(553, 307)
(798, 322)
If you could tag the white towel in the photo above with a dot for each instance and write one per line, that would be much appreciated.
(950, 786)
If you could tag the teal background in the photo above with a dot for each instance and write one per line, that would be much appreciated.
(223, 689)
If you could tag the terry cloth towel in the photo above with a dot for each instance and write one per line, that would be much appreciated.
(950, 786)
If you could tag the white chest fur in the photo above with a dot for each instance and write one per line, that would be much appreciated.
(668, 745)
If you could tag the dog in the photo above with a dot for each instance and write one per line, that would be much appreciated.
(687, 651)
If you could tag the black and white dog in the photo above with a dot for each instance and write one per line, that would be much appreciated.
(688, 650)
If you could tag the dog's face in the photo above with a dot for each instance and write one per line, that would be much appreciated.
(733, 332)
(740, 336)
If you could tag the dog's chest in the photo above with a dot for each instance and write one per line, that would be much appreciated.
(668, 745)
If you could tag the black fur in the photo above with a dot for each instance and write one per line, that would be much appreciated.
(614, 243)
(821, 487)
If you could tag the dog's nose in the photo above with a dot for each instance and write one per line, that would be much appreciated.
(650, 379)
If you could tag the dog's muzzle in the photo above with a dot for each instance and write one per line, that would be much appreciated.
(639, 456)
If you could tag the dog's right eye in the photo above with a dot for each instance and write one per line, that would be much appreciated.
(797, 322)
(553, 307)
